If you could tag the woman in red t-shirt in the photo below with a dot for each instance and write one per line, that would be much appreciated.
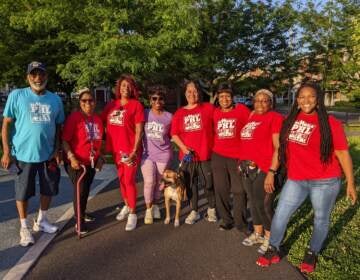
(82, 138)
(124, 118)
(192, 132)
(259, 154)
(228, 121)
(314, 149)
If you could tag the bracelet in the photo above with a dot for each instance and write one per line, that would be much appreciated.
(273, 171)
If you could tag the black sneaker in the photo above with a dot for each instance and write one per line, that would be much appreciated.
(226, 226)
(309, 263)
(89, 218)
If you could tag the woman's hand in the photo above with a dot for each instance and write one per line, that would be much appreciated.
(131, 159)
(74, 163)
(269, 182)
(351, 193)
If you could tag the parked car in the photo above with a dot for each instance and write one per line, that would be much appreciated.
(247, 101)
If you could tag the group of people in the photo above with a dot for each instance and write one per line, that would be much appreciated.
(233, 153)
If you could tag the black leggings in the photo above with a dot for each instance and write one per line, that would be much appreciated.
(227, 180)
(196, 173)
(261, 202)
(84, 186)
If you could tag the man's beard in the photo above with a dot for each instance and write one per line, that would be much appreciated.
(38, 87)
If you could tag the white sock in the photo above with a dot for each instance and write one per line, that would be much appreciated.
(23, 223)
(41, 215)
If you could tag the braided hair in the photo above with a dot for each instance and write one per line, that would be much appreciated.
(326, 143)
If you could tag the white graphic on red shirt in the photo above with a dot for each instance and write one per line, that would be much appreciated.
(192, 122)
(247, 131)
(95, 130)
(154, 130)
(40, 113)
(300, 132)
(117, 117)
(226, 128)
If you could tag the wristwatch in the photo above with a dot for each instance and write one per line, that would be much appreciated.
(273, 171)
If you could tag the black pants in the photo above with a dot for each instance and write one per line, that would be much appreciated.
(84, 186)
(227, 180)
(261, 202)
(195, 174)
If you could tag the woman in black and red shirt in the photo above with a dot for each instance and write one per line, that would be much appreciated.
(192, 132)
(82, 138)
(228, 120)
(259, 154)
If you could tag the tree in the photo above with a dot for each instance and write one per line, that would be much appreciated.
(328, 43)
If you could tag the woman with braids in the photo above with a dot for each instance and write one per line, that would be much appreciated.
(314, 149)
(259, 154)
(157, 150)
(228, 121)
(124, 118)
(192, 132)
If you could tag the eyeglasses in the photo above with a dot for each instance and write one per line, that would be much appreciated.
(157, 98)
(87, 100)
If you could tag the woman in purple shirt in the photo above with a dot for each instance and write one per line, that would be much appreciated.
(157, 151)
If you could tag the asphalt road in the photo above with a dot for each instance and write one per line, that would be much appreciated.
(10, 251)
(157, 251)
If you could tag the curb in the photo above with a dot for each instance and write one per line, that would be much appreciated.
(22, 267)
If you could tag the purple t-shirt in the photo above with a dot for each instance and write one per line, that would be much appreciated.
(156, 141)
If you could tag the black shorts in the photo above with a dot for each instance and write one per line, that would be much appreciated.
(49, 178)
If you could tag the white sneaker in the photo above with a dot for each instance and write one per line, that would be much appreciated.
(211, 215)
(254, 238)
(131, 222)
(148, 219)
(156, 211)
(263, 248)
(26, 237)
(123, 213)
(45, 226)
(176, 223)
(192, 218)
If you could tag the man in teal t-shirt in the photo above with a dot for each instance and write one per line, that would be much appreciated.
(35, 116)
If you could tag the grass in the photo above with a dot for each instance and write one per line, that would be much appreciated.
(341, 254)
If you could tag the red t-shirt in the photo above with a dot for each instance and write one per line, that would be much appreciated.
(256, 138)
(303, 149)
(194, 128)
(78, 132)
(227, 127)
(120, 125)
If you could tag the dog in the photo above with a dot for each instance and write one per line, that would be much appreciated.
(174, 189)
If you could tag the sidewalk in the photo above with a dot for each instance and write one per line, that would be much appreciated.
(10, 251)
(157, 251)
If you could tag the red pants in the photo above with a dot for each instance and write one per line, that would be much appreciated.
(127, 176)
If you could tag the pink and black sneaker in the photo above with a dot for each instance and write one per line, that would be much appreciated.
(271, 256)
(309, 263)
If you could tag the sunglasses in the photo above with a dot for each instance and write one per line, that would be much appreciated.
(87, 100)
(157, 98)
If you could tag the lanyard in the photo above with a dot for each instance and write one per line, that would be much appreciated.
(90, 125)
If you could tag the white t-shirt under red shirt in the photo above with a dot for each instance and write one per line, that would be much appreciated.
(227, 127)
(303, 149)
(256, 138)
(195, 129)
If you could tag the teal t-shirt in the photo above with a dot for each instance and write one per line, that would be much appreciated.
(35, 118)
